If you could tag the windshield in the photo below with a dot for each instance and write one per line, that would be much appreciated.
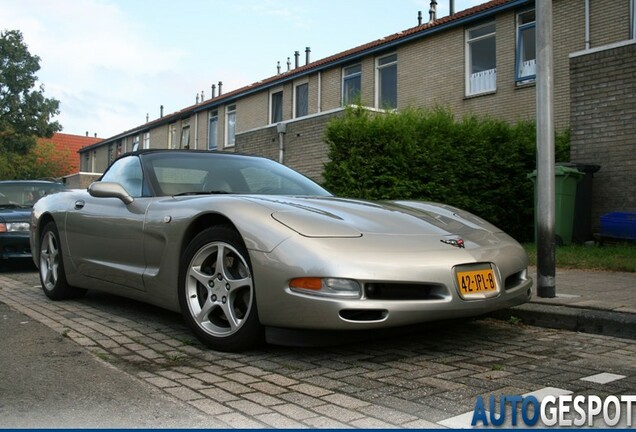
(25, 194)
(198, 172)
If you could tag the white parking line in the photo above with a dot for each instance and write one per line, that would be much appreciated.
(603, 378)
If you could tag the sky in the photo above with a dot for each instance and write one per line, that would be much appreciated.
(112, 62)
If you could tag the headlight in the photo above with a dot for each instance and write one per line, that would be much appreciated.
(14, 226)
(327, 287)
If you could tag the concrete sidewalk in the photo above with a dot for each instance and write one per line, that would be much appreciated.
(586, 301)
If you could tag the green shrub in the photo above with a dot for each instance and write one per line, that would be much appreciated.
(478, 164)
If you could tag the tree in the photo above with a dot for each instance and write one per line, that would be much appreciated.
(43, 160)
(25, 114)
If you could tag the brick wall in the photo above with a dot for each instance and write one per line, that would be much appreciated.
(603, 116)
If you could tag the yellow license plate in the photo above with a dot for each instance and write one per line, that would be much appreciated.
(476, 281)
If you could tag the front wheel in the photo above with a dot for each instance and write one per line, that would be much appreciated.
(51, 266)
(216, 291)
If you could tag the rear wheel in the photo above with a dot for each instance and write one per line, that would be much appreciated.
(52, 274)
(216, 291)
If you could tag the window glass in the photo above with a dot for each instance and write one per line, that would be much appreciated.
(230, 126)
(482, 59)
(351, 84)
(387, 82)
(302, 100)
(526, 46)
(185, 137)
(127, 172)
(276, 107)
(147, 140)
(213, 140)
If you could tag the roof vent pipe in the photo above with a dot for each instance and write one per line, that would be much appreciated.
(160, 111)
(419, 18)
(220, 88)
(202, 95)
(86, 133)
(307, 53)
(432, 11)
(213, 91)
(296, 57)
(95, 135)
(451, 7)
(197, 99)
(147, 117)
(278, 68)
(288, 64)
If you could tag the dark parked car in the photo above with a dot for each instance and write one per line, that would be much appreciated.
(16, 201)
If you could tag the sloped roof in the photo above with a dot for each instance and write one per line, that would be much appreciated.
(459, 18)
(72, 143)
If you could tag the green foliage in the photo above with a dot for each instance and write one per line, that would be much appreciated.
(24, 111)
(608, 257)
(478, 164)
(42, 161)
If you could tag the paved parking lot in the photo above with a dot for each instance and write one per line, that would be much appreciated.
(418, 379)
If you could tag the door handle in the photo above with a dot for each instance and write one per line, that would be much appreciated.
(79, 204)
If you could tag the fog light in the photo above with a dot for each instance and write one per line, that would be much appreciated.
(327, 287)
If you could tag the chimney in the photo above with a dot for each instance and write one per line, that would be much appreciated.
(288, 64)
(95, 135)
(296, 57)
(220, 88)
(213, 91)
(451, 7)
(278, 68)
(202, 95)
(160, 111)
(86, 133)
(433, 11)
(419, 18)
(307, 52)
(147, 117)
(197, 99)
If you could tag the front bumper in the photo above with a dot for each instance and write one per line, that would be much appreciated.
(14, 245)
(373, 261)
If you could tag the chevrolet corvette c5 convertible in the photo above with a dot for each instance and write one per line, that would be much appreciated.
(239, 244)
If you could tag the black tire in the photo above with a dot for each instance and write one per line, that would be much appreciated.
(217, 292)
(51, 268)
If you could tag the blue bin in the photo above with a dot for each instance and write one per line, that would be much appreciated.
(619, 225)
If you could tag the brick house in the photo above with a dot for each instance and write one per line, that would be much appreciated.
(480, 60)
(71, 144)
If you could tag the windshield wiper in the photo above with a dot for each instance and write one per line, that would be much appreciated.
(212, 192)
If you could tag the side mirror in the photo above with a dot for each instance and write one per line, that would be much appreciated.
(110, 190)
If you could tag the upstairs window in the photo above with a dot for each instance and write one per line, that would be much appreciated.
(135, 143)
(172, 136)
(386, 74)
(351, 84)
(276, 107)
(481, 59)
(213, 137)
(301, 100)
(230, 126)
(185, 136)
(526, 47)
(147, 140)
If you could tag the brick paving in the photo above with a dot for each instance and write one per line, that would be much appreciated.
(410, 380)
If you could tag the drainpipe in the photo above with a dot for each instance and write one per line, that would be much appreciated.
(319, 91)
(587, 24)
(281, 128)
(196, 128)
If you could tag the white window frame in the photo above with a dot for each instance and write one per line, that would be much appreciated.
(135, 143)
(633, 20)
(172, 136)
(230, 115)
(295, 107)
(530, 74)
(275, 92)
(184, 141)
(350, 76)
(378, 71)
(486, 81)
(146, 140)
(214, 116)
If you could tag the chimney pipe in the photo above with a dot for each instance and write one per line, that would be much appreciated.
(220, 88)
(278, 68)
(213, 91)
(86, 133)
(202, 95)
(147, 117)
(433, 11)
(160, 111)
(197, 99)
(95, 134)
(307, 53)
(296, 57)
(288, 64)
(419, 18)
(451, 7)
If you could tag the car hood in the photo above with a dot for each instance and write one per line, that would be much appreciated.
(15, 214)
(339, 217)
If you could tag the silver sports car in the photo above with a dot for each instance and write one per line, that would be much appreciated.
(238, 244)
